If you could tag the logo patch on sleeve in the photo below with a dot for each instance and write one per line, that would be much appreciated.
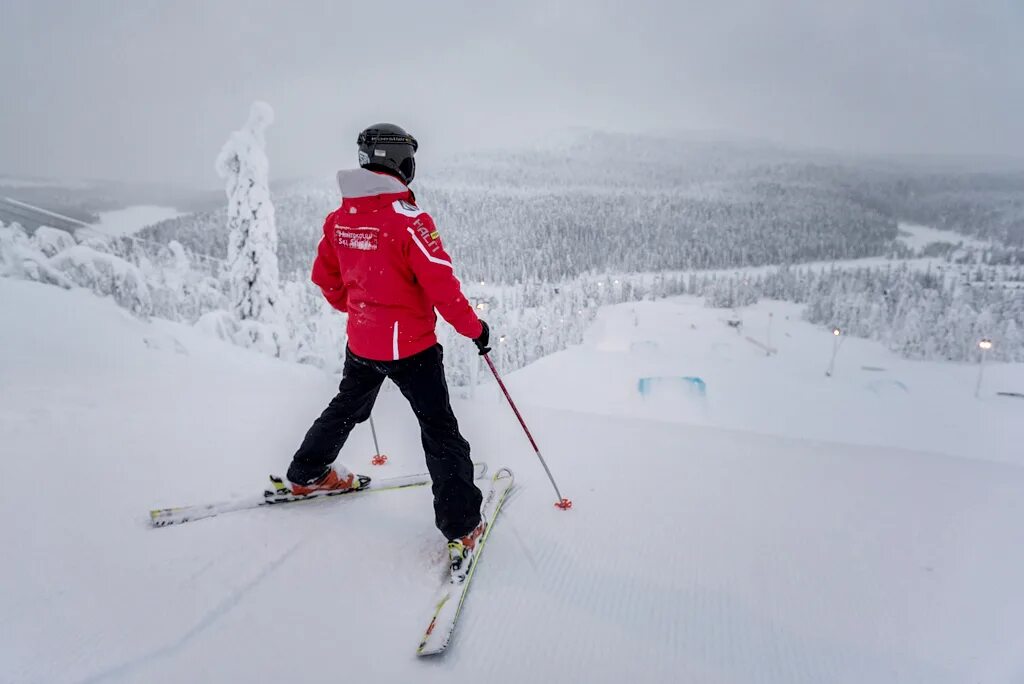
(432, 240)
(363, 239)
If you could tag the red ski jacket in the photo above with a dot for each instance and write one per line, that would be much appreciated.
(382, 261)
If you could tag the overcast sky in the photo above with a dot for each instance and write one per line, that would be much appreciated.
(144, 89)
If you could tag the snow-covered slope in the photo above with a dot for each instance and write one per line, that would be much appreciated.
(918, 237)
(693, 554)
(873, 397)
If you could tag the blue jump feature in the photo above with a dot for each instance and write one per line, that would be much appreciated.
(688, 384)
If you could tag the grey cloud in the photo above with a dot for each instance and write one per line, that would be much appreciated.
(150, 90)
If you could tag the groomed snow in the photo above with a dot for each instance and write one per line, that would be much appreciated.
(693, 553)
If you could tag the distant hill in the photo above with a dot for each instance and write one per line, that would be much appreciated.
(83, 200)
(608, 201)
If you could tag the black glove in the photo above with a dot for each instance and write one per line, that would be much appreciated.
(483, 339)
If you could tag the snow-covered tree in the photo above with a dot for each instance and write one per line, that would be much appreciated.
(50, 241)
(252, 240)
(105, 274)
(1013, 340)
(20, 258)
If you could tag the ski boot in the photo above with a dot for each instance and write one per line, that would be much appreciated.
(330, 483)
(462, 551)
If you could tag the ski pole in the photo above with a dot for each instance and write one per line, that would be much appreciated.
(562, 502)
(379, 458)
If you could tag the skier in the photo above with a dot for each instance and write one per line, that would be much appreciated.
(381, 260)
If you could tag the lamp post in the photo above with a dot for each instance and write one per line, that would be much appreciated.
(836, 341)
(503, 349)
(984, 345)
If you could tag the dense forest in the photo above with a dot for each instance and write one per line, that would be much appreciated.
(537, 236)
(619, 203)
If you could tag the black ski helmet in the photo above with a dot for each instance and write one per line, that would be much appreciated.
(390, 148)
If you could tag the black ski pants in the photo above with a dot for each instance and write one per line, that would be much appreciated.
(421, 380)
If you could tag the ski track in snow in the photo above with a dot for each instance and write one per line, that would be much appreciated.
(118, 672)
(696, 550)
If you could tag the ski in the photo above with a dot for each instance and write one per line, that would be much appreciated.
(449, 604)
(280, 494)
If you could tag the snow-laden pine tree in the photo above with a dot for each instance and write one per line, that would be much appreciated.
(252, 241)
(1012, 347)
